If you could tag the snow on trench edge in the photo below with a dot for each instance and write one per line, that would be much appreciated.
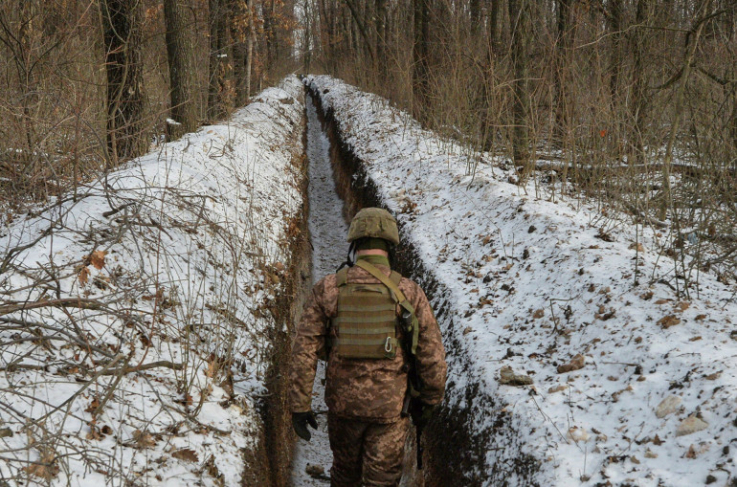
(532, 284)
(172, 262)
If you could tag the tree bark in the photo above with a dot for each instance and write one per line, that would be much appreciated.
(521, 29)
(238, 23)
(249, 54)
(614, 26)
(216, 106)
(639, 106)
(121, 21)
(565, 41)
(179, 54)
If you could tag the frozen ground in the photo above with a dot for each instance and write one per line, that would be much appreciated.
(135, 323)
(328, 232)
(632, 382)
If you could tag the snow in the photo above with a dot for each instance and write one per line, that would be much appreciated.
(172, 263)
(532, 280)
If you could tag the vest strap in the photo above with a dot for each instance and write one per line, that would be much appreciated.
(409, 318)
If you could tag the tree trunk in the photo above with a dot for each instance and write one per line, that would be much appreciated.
(639, 106)
(216, 106)
(420, 72)
(179, 53)
(474, 8)
(614, 26)
(564, 46)
(238, 23)
(121, 21)
(269, 33)
(519, 14)
(249, 54)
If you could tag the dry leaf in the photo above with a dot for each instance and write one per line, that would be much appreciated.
(97, 259)
(575, 364)
(186, 454)
(668, 321)
(46, 472)
(84, 276)
(94, 433)
(93, 406)
(212, 367)
(143, 439)
(508, 377)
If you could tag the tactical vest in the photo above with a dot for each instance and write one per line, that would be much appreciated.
(366, 321)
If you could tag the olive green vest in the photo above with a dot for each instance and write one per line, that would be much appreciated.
(366, 321)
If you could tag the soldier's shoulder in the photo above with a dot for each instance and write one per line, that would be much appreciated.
(410, 287)
(325, 284)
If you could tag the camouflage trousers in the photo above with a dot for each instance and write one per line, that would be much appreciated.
(366, 454)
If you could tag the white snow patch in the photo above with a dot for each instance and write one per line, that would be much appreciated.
(194, 238)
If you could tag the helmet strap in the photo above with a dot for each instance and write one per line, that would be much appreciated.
(350, 258)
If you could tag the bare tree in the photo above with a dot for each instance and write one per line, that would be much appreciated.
(216, 98)
(121, 21)
(519, 13)
(179, 53)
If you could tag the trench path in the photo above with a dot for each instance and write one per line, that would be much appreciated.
(328, 231)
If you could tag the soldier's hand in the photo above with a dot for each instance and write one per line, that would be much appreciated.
(421, 413)
(300, 422)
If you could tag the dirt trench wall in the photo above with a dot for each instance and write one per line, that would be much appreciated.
(460, 441)
(268, 465)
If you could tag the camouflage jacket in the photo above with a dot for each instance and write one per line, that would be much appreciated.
(371, 390)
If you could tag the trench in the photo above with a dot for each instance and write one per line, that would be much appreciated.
(475, 423)
(328, 231)
(331, 206)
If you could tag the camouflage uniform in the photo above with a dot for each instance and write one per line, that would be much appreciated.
(365, 397)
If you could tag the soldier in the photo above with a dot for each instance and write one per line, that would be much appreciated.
(376, 329)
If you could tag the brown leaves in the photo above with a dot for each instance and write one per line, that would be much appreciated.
(84, 276)
(45, 469)
(576, 363)
(96, 433)
(93, 406)
(668, 321)
(186, 454)
(143, 439)
(508, 377)
(97, 259)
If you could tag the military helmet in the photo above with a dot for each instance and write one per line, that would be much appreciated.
(375, 223)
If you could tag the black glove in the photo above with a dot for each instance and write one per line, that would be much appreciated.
(300, 422)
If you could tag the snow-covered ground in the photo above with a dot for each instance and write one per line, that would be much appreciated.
(547, 285)
(136, 319)
(328, 232)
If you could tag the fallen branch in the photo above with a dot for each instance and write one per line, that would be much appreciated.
(56, 303)
(141, 368)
